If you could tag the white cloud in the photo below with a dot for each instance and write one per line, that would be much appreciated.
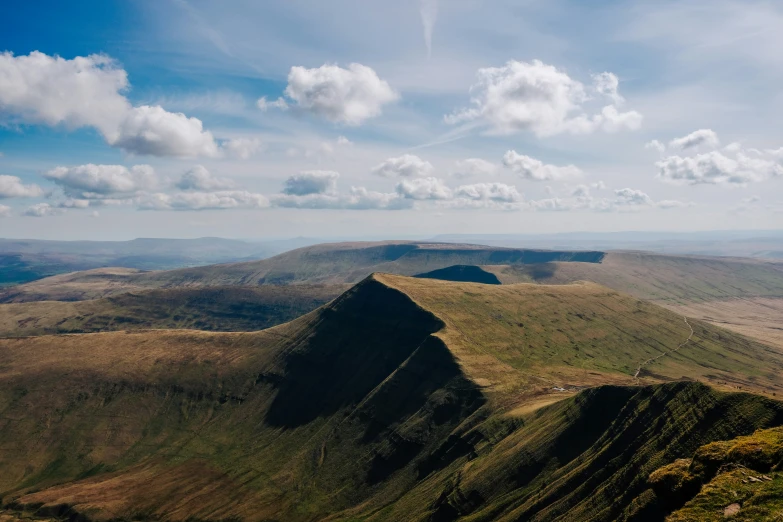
(608, 84)
(536, 170)
(498, 192)
(83, 92)
(264, 104)
(350, 96)
(88, 92)
(242, 148)
(581, 191)
(311, 182)
(717, 168)
(200, 179)
(151, 130)
(424, 189)
(405, 166)
(695, 139)
(628, 196)
(343, 141)
(41, 210)
(12, 187)
(5, 211)
(656, 146)
(220, 200)
(537, 97)
(74, 203)
(359, 198)
(103, 181)
(474, 167)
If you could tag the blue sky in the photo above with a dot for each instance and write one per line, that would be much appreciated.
(141, 118)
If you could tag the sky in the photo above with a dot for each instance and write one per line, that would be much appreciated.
(362, 118)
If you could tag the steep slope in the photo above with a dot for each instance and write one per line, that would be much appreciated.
(338, 263)
(213, 309)
(403, 399)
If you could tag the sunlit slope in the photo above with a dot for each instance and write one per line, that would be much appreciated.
(213, 308)
(661, 278)
(403, 399)
(525, 338)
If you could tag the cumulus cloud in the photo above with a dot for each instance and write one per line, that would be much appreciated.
(474, 167)
(264, 104)
(498, 192)
(152, 130)
(74, 203)
(536, 170)
(706, 137)
(405, 166)
(628, 196)
(625, 199)
(717, 168)
(537, 97)
(358, 198)
(88, 92)
(350, 96)
(5, 211)
(424, 189)
(200, 179)
(12, 187)
(41, 210)
(242, 148)
(343, 141)
(311, 182)
(220, 200)
(103, 181)
(83, 92)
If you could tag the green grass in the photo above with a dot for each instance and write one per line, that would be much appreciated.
(403, 399)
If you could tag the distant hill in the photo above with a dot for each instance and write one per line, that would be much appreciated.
(403, 399)
(462, 273)
(337, 263)
(23, 260)
(213, 309)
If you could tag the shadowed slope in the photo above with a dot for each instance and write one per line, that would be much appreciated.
(462, 273)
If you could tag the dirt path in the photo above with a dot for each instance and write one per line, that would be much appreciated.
(650, 361)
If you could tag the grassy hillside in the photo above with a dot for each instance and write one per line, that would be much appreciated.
(213, 309)
(404, 399)
(661, 278)
(338, 263)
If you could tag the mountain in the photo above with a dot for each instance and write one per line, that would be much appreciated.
(336, 263)
(213, 308)
(403, 399)
(23, 260)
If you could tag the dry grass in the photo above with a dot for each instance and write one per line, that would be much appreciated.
(757, 317)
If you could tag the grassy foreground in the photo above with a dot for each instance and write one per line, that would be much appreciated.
(403, 399)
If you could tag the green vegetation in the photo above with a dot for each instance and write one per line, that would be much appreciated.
(741, 479)
(660, 278)
(403, 399)
(211, 309)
